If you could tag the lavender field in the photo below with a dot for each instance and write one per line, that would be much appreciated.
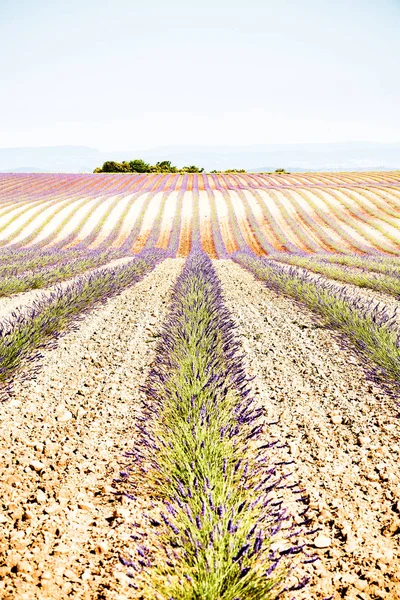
(199, 382)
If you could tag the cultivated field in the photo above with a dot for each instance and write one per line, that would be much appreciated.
(264, 213)
(200, 376)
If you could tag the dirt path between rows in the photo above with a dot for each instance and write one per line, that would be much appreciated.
(61, 443)
(341, 429)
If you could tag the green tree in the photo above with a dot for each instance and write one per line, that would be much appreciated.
(139, 166)
(163, 167)
(192, 169)
(110, 166)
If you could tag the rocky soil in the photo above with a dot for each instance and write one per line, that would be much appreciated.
(341, 430)
(62, 439)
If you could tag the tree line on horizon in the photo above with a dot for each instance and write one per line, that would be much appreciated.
(140, 166)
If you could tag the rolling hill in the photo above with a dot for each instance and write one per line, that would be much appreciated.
(307, 213)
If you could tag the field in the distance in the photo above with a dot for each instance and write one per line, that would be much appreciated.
(199, 382)
(355, 212)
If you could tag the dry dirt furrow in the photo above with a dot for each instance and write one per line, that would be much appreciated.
(341, 430)
(61, 443)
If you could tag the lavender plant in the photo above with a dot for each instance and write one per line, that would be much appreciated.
(140, 188)
(92, 236)
(24, 260)
(157, 187)
(156, 229)
(173, 243)
(73, 237)
(353, 220)
(255, 226)
(198, 451)
(218, 240)
(278, 232)
(322, 234)
(240, 242)
(38, 239)
(16, 214)
(297, 225)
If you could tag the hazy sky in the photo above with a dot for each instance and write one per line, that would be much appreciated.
(130, 74)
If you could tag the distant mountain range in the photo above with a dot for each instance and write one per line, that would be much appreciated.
(350, 156)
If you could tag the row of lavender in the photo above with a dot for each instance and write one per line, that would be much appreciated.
(16, 185)
(381, 274)
(25, 270)
(216, 522)
(41, 265)
(31, 328)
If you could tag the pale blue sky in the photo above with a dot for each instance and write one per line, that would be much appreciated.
(129, 74)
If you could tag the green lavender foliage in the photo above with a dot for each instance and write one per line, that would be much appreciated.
(195, 445)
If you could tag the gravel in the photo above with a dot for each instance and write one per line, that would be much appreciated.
(61, 528)
(341, 430)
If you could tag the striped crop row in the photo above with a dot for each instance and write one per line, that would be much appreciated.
(293, 213)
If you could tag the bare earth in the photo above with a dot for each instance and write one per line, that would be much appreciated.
(61, 441)
(63, 437)
(341, 430)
